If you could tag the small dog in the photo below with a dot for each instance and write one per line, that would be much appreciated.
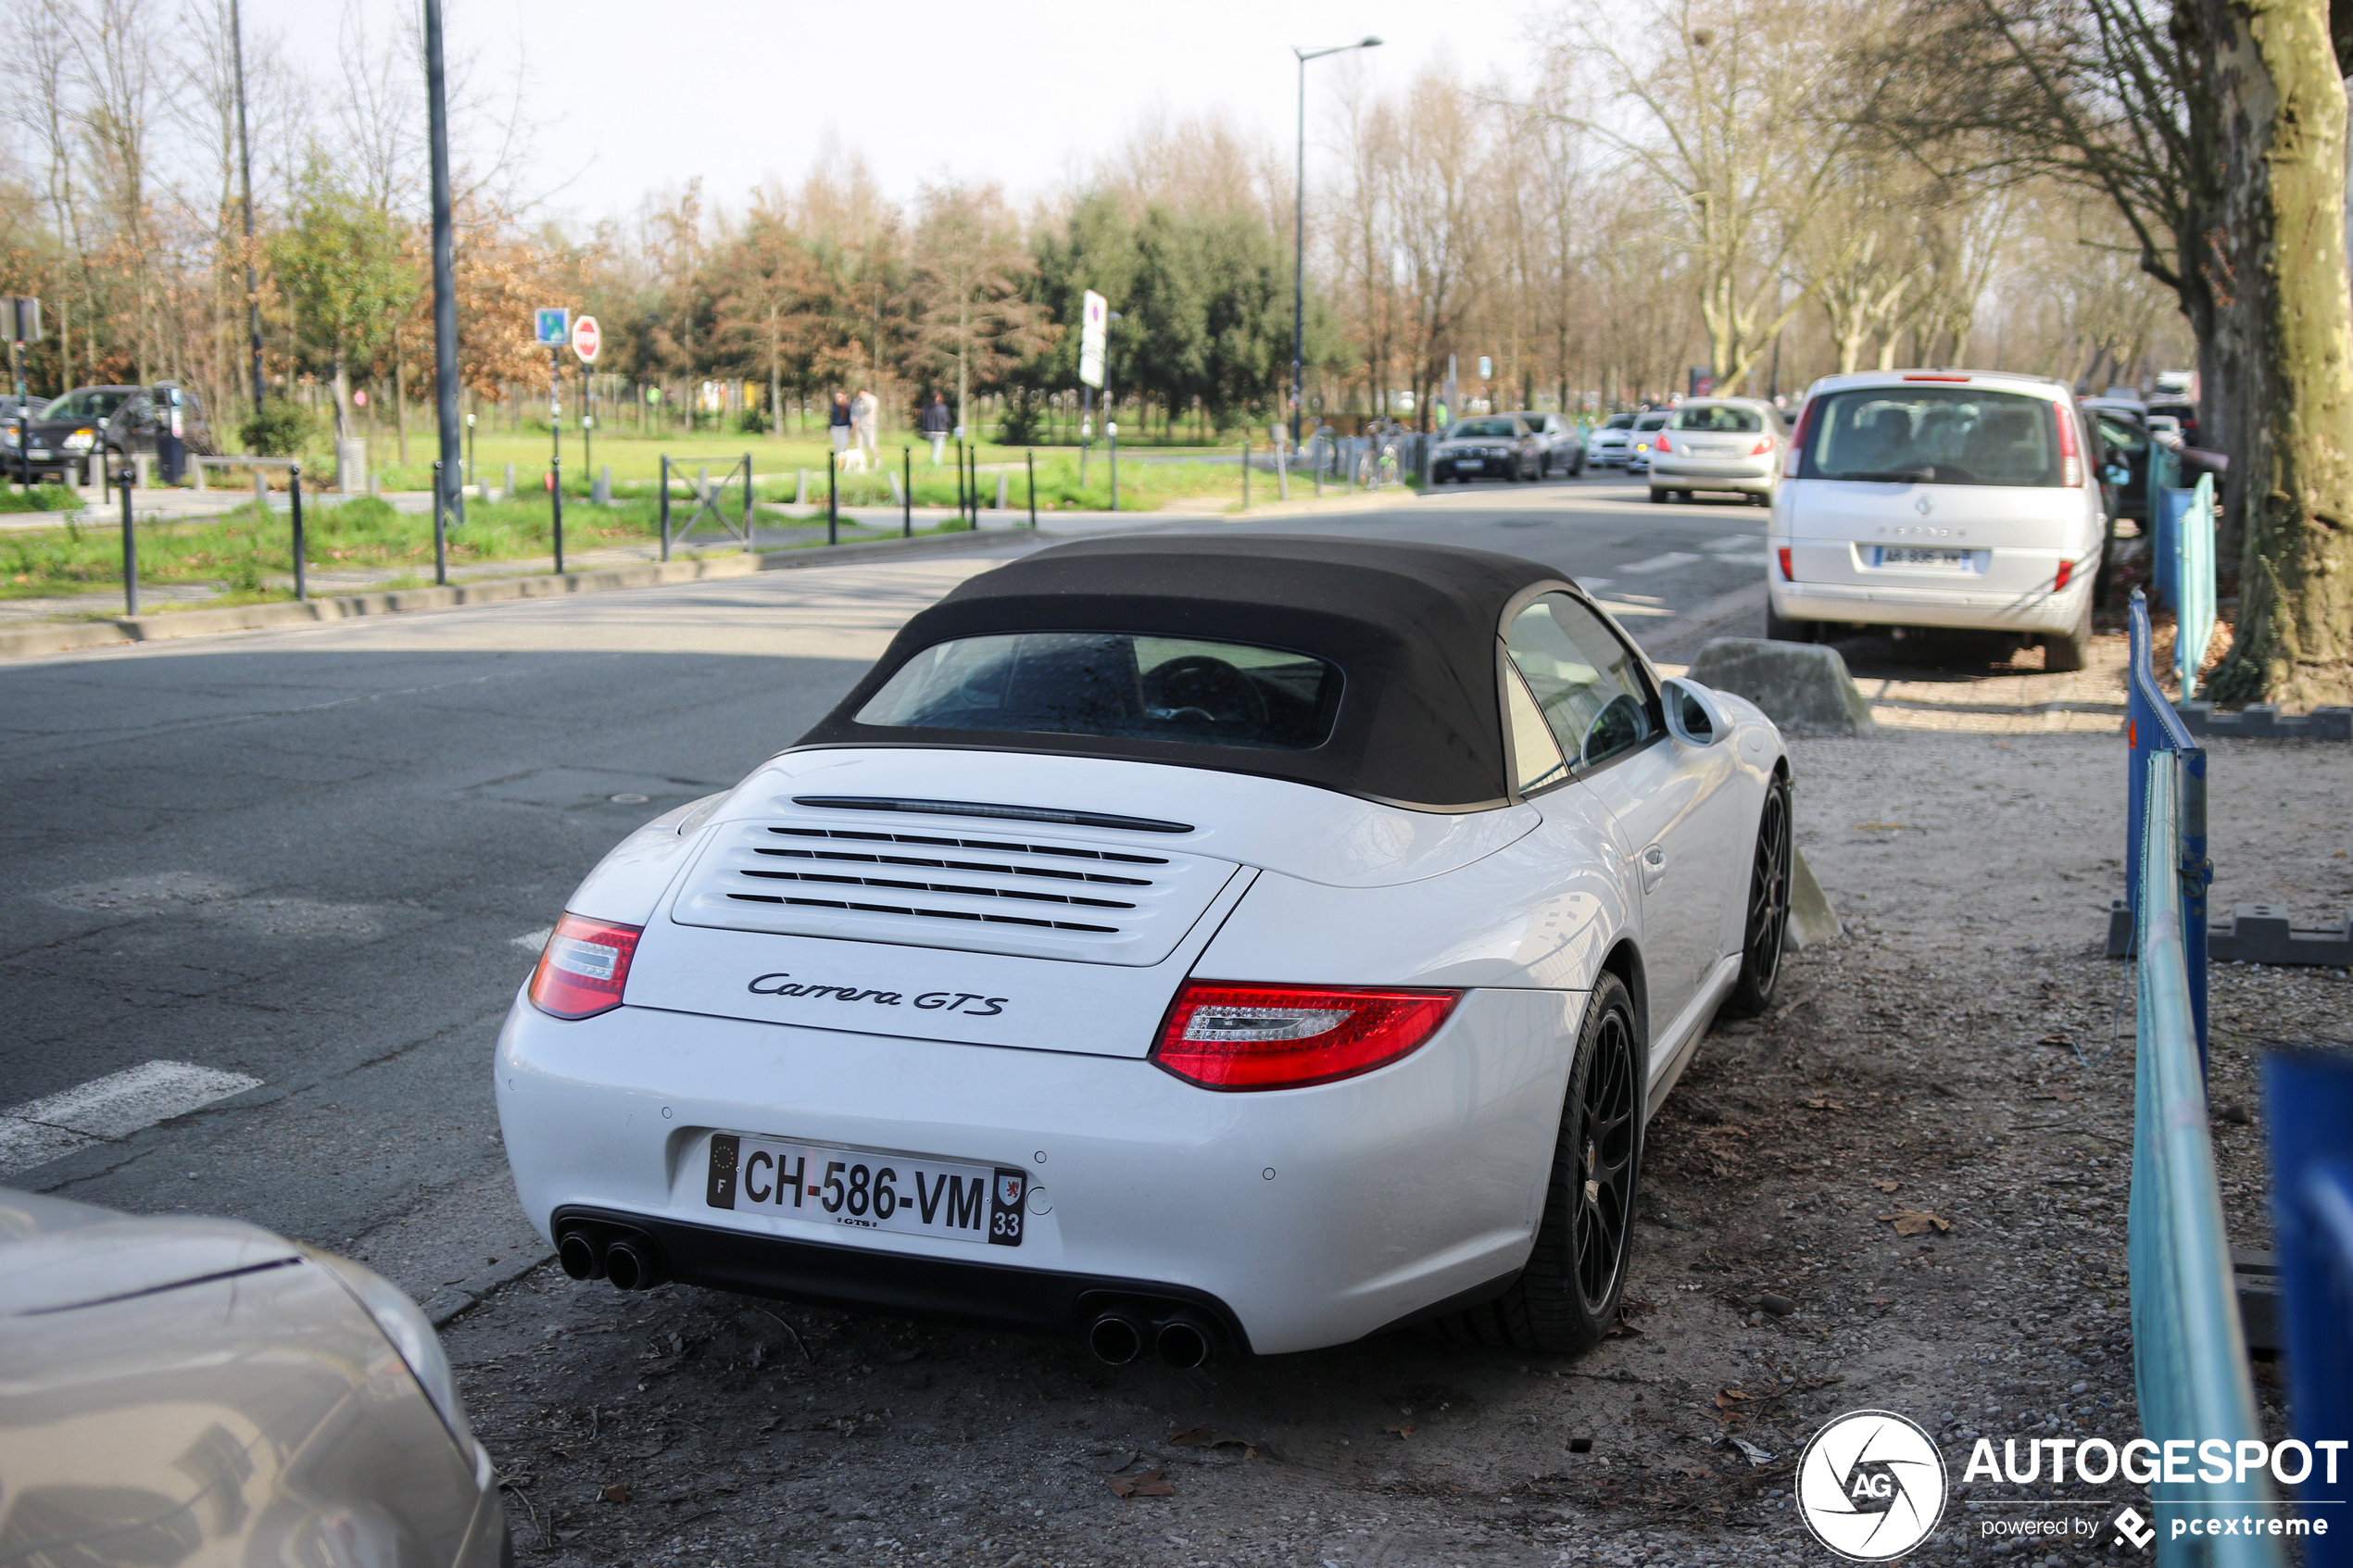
(853, 461)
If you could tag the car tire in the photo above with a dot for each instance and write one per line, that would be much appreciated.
(2065, 652)
(1779, 629)
(1658, 496)
(1568, 1295)
(1765, 924)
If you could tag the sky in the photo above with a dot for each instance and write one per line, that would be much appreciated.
(631, 96)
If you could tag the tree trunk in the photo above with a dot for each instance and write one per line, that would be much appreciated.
(2286, 114)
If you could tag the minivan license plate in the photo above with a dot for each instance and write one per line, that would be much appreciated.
(1912, 555)
(861, 1190)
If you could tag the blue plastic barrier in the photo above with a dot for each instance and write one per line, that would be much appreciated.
(2308, 1105)
(2151, 726)
(2194, 580)
(2189, 1367)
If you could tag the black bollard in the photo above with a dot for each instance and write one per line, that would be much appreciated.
(130, 549)
(293, 493)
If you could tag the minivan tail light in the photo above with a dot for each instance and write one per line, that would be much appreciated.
(2065, 575)
(1222, 1035)
(583, 967)
(1796, 454)
(1664, 445)
(2070, 459)
(1787, 575)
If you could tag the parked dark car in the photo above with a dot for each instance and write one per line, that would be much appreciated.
(1486, 447)
(2124, 443)
(117, 421)
(2183, 409)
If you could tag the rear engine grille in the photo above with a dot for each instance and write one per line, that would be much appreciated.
(923, 887)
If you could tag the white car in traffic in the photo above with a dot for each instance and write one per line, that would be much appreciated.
(1182, 943)
(1722, 445)
(1945, 499)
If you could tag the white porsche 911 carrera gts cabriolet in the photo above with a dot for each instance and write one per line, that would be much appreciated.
(1186, 943)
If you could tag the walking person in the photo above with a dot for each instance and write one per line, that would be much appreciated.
(934, 422)
(866, 425)
(837, 421)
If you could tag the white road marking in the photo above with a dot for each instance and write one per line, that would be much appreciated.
(1622, 609)
(534, 940)
(1660, 563)
(1732, 542)
(1593, 584)
(111, 1109)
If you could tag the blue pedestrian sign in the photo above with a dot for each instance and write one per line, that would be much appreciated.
(552, 327)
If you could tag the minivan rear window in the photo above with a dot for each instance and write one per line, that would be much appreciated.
(1130, 684)
(1934, 435)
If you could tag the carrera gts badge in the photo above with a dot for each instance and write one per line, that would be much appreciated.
(971, 1003)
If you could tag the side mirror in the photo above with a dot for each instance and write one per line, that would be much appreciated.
(1692, 716)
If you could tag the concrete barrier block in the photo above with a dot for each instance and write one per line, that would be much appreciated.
(1812, 922)
(1804, 687)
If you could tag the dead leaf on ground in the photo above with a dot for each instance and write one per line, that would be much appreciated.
(1151, 1484)
(1824, 1104)
(1917, 1222)
(1206, 1437)
(1887, 1187)
(2055, 1040)
(615, 1493)
(1727, 1398)
(2062, 1096)
(1406, 1430)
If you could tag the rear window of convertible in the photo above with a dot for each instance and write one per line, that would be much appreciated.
(1128, 685)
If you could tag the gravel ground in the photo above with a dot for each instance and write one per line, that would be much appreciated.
(1963, 1057)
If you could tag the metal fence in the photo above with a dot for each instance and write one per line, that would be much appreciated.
(2190, 1367)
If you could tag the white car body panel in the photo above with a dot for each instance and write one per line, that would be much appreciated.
(1317, 1214)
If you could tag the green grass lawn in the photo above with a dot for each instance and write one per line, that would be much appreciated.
(247, 553)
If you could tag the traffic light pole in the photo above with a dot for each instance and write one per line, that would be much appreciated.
(556, 435)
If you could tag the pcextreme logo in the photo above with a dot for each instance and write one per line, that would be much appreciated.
(1871, 1486)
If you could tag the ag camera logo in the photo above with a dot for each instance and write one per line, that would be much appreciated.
(1871, 1486)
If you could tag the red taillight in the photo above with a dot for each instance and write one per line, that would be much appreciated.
(1664, 445)
(583, 967)
(2070, 459)
(1787, 575)
(2066, 574)
(1917, 376)
(1796, 454)
(1761, 447)
(1232, 1036)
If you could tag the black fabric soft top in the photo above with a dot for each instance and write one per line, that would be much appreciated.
(1412, 627)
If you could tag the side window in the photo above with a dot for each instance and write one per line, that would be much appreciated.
(1591, 692)
(1534, 752)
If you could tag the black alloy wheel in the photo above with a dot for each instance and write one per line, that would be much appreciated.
(1765, 930)
(1568, 1294)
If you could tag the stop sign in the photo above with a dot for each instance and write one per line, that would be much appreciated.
(585, 338)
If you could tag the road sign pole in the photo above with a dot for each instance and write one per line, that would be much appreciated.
(130, 548)
(556, 435)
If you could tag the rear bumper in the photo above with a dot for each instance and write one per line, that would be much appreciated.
(1754, 478)
(1303, 1217)
(1878, 605)
(987, 1296)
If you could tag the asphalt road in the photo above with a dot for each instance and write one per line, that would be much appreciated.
(316, 859)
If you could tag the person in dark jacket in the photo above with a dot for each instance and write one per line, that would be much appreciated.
(934, 422)
(837, 421)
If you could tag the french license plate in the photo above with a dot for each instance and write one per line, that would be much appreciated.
(1909, 555)
(861, 1190)
(1470, 462)
(40, 451)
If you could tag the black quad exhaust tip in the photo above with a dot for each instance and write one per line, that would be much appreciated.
(1116, 1338)
(632, 1263)
(579, 1256)
(1184, 1341)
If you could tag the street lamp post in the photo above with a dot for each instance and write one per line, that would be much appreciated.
(1299, 233)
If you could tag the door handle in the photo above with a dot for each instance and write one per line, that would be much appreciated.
(1654, 867)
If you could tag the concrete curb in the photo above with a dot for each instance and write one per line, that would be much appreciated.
(1803, 687)
(34, 641)
(1812, 923)
(451, 1302)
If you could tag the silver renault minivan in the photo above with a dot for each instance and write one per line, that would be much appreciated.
(1952, 498)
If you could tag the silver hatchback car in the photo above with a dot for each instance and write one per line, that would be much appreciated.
(192, 1391)
(1718, 443)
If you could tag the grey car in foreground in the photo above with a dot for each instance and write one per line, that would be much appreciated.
(182, 1391)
